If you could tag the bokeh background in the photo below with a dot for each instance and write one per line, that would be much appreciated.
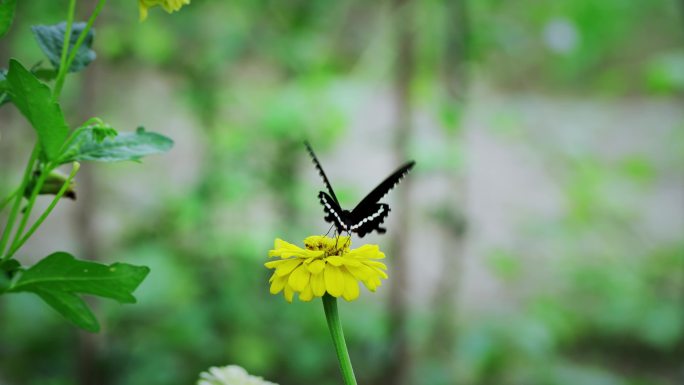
(538, 241)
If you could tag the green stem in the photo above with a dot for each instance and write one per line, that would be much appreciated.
(17, 200)
(63, 69)
(15, 247)
(335, 326)
(31, 201)
(8, 199)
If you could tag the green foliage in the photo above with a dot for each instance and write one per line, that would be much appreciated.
(34, 100)
(50, 38)
(665, 73)
(6, 15)
(103, 144)
(59, 277)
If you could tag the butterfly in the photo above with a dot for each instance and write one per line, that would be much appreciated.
(369, 214)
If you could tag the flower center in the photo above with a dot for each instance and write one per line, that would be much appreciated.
(329, 246)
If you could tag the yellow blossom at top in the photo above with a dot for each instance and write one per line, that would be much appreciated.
(168, 5)
(326, 265)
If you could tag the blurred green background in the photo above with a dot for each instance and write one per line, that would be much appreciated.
(539, 240)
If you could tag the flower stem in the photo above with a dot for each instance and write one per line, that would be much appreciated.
(335, 326)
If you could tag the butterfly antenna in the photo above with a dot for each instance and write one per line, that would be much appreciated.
(319, 168)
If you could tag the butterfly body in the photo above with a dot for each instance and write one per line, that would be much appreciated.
(369, 214)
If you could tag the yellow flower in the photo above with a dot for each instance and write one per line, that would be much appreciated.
(325, 265)
(168, 5)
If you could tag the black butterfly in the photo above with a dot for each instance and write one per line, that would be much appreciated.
(368, 215)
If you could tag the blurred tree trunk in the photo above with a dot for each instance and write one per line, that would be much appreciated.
(88, 351)
(451, 217)
(458, 47)
(400, 367)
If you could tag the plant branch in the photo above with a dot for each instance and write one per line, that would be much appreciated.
(8, 199)
(63, 68)
(26, 214)
(74, 170)
(74, 51)
(17, 199)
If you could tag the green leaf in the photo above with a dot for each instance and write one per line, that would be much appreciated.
(51, 40)
(34, 100)
(7, 270)
(71, 307)
(90, 144)
(59, 277)
(6, 15)
(45, 74)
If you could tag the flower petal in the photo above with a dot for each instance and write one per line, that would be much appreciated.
(317, 284)
(334, 280)
(274, 264)
(289, 293)
(316, 266)
(351, 286)
(381, 273)
(278, 284)
(351, 262)
(361, 272)
(366, 251)
(299, 278)
(375, 264)
(307, 294)
(335, 260)
(287, 267)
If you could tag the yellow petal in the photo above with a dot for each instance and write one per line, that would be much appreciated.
(280, 246)
(334, 280)
(299, 278)
(351, 262)
(306, 295)
(381, 273)
(274, 264)
(278, 284)
(371, 284)
(316, 266)
(143, 11)
(289, 293)
(351, 287)
(317, 284)
(366, 251)
(361, 272)
(335, 260)
(375, 264)
(287, 267)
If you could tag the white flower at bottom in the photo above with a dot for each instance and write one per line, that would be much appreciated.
(230, 375)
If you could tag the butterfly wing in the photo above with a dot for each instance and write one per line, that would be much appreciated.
(321, 173)
(369, 221)
(368, 203)
(333, 212)
(368, 215)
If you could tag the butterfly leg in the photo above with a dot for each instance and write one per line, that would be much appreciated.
(330, 229)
